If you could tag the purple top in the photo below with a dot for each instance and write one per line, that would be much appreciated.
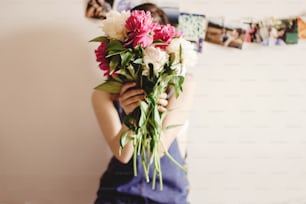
(119, 178)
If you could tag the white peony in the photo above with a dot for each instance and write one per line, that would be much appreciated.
(155, 56)
(114, 24)
(189, 55)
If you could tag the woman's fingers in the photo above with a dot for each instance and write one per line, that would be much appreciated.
(161, 109)
(126, 86)
(132, 106)
(162, 102)
(129, 98)
(164, 96)
(131, 93)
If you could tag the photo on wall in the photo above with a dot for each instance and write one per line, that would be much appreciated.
(193, 26)
(302, 27)
(291, 30)
(252, 31)
(171, 7)
(271, 31)
(125, 5)
(97, 9)
(224, 33)
(281, 32)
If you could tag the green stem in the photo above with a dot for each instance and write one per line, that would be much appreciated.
(157, 157)
(173, 160)
(154, 178)
(145, 170)
(144, 162)
(160, 180)
(135, 157)
(139, 144)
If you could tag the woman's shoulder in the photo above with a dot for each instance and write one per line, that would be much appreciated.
(189, 80)
(96, 94)
(99, 97)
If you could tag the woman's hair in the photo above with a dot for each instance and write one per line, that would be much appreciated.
(157, 13)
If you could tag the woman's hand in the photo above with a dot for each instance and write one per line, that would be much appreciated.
(162, 102)
(129, 98)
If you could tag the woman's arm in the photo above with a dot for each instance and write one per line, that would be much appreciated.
(179, 113)
(112, 128)
(110, 124)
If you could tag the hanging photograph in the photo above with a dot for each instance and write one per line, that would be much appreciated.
(224, 33)
(170, 7)
(302, 27)
(252, 32)
(97, 9)
(125, 5)
(279, 31)
(193, 26)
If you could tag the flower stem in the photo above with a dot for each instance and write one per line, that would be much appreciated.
(135, 157)
(172, 159)
(154, 179)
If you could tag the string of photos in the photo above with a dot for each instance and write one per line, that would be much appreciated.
(197, 28)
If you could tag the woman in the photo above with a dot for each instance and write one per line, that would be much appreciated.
(97, 9)
(118, 184)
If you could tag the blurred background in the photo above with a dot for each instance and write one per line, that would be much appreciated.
(247, 139)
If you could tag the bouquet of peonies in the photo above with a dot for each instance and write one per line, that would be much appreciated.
(135, 49)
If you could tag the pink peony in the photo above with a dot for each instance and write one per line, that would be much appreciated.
(179, 34)
(140, 28)
(142, 39)
(100, 57)
(164, 33)
(139, 21)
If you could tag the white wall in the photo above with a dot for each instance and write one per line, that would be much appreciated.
(51, 150)
(247, 142)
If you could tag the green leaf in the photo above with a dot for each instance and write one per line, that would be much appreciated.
(173, 126)
(177, 85)
(151, 99)
(138, 61)
(180, 82)
(143, 111)
(125, 138)
(114, 63)
(99, 39)
(128, 76)
(115, 45)
(126, 58)
(157, 117)
(180, 54)
(117, 78)
(131, 70)
(114, 52)
(110, 86)
(171, 58)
